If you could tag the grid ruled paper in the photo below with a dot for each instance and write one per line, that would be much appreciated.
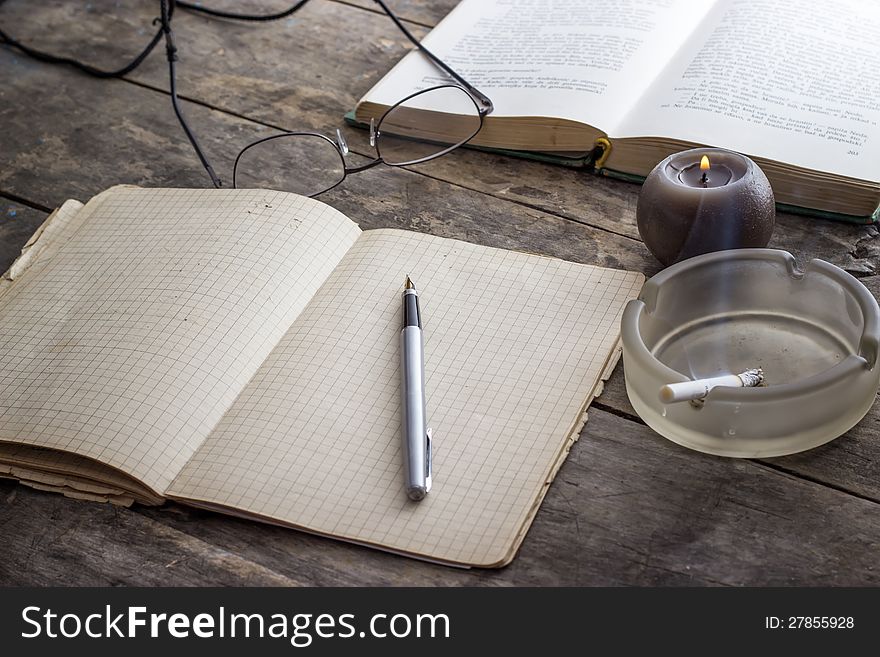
(133, 337)
(514, 348)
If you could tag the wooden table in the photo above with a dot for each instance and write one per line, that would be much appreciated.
(627, 508)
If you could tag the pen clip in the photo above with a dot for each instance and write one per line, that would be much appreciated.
(428, 460)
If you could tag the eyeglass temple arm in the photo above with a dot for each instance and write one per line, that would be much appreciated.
(363, 167)
(486, 105)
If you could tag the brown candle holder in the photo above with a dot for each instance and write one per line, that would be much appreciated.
(682, 213)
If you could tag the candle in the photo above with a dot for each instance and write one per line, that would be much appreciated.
(703, 200)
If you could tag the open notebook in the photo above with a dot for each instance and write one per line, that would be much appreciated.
(238, 350)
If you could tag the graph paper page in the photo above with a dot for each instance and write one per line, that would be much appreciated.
(130, 341)
(514, 347)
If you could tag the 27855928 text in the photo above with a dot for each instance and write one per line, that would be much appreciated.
(809, 622)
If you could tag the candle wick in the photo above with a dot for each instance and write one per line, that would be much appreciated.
(704, 178)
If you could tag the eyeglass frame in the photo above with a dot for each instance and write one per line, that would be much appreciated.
(483, 103)
(341, 146)
(166, 11)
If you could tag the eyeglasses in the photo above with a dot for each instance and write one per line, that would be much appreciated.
(307, 162)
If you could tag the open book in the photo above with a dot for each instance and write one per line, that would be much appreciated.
(238, 350)
(620, 85)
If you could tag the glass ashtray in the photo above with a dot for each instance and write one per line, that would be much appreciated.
(814, 333)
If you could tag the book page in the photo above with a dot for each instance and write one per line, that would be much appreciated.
(583, 60)
(133, 338)
(515, 345)
(794, 81)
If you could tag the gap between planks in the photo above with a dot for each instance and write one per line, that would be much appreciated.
(597, 405)
(775, 467)
(273, 126)
(427, 26)
(456, 184)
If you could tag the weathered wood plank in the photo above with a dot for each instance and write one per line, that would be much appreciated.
(47, 539)
(611, 204)
(302, 72)
(142, 127)
(627, 508)
(315, 559)
(157, 154)
(417, 11)
(613, 397)
(731, 521)
(17, 223)
(234, 66)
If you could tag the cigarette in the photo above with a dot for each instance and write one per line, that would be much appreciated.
(699, 388)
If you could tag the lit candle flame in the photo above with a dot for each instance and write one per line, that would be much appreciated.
(704, 163)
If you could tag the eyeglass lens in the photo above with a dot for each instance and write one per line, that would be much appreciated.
(419, 128)
(300, 163)
(426, 125)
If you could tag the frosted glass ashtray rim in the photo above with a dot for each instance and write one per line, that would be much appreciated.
(865, 357)
(815, 331)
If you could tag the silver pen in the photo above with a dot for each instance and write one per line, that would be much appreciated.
(416, 436)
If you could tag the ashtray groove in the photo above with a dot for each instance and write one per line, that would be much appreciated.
(812, 332)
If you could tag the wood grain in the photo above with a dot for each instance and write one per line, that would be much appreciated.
(301, 72)
(627, 508)
(234, 67)
(17, 223)
(49, 539)
(157, 154)
(417, 11)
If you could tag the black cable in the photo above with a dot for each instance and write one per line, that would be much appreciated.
(189, 6)
(164, 20)
(167, 9)
(485, 101)
(85, 68)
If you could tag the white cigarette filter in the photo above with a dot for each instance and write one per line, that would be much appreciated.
(699, 388)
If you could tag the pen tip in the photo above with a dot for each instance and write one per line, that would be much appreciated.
(409, 285)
